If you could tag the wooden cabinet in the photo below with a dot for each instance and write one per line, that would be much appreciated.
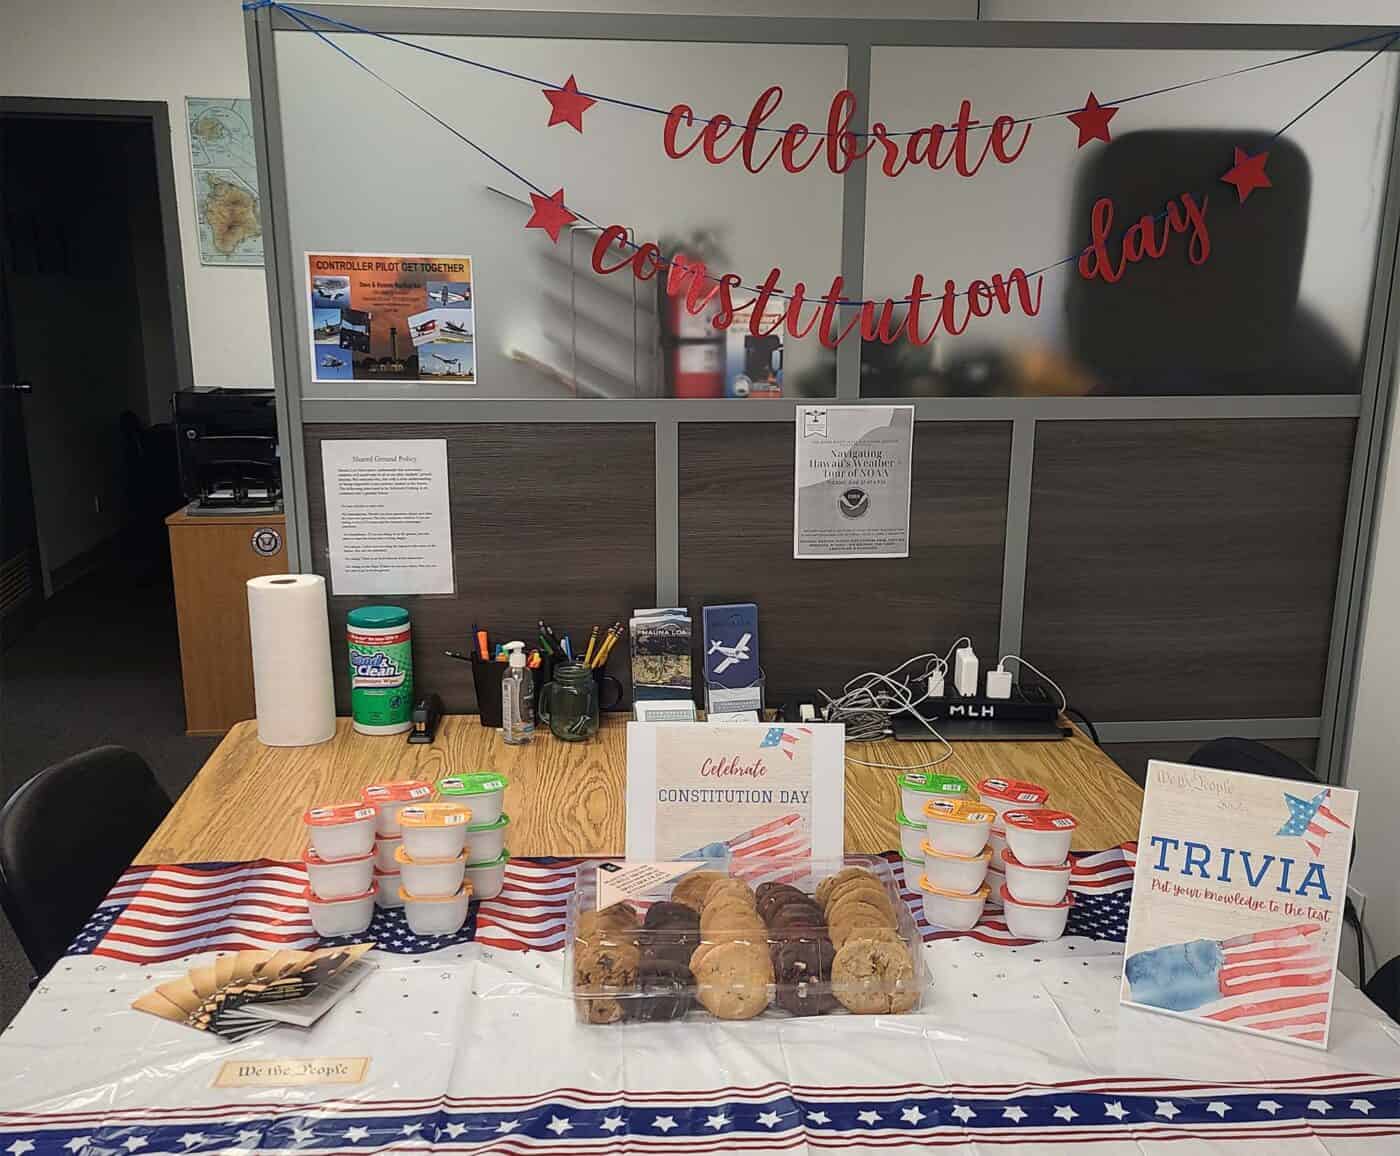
(213, 556)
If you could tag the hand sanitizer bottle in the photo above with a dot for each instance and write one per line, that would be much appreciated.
(517, 698)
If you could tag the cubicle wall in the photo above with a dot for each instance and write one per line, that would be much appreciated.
(1160, 492)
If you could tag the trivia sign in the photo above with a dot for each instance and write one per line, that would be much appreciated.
(1236, 917)
(735, 791)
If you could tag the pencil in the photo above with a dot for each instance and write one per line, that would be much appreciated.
(592, 642)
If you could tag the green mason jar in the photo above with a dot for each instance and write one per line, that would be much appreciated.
(569, 704)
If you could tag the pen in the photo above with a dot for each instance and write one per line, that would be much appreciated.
(482, 648)
(592, 642)
(568, 647)
(544, 644)
(457, 656)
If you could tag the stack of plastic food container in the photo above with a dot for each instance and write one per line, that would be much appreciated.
(340, 867)
(917, 788)
(432, 860)
(484, 793)
(389, 799)
(1036, 891)
(1004, 795)
(955, 861)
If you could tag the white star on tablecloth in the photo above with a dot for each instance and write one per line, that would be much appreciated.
(717, 1121)
(248, 1138)
(190, 1139)
(1219, 1107)
(665, 1123)
(132, 1143)
(869, 1116)
(1362, 1106)
(409, 1129)
(356, 1133)
(612, 1123)
(507, 1126)
(963, 1113)
(1320, 1106)
(20, 1147)
(1270, 1106)
(1065, 1112)
(558, 1125)
(1115, 1109)
(769, 1119)
(911, 1115)
(454, 1130)
(301, 1135)
(1014, 1113)
(1167, 1108)
(78, 1143)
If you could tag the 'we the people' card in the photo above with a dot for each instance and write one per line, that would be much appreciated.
(1236, 916)
(731, 791)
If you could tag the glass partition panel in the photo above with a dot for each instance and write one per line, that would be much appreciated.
(1279, 304)
(369, 173)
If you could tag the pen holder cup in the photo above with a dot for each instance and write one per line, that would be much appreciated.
(486, 677)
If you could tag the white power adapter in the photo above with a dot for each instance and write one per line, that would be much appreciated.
(965, 671)
(935, 684)
(999, 683)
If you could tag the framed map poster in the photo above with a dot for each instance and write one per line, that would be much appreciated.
(730, 791)
(1236, 916)
(224, 165)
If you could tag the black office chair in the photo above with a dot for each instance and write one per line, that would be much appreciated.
(1384, 989)
(1252, 758)
(65, 837)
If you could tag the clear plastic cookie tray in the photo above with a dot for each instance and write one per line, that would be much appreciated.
(652, 942)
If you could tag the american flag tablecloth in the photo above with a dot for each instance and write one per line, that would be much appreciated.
(473, 1048)
(155, 914)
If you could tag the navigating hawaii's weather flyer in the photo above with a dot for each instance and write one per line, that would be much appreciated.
(1236, 917)
(852, 481)
(732, 791)
(390, 317)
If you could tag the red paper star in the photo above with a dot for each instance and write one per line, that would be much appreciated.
(1248, 173)
(567, 105)
(550, 214)
(1092, 120)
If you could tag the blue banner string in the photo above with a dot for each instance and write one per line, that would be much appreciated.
(345, 26)
(660, 260)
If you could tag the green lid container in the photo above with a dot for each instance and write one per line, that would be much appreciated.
(477, 783)
(377, 617)
(947, 786)
(503, 821)
(905, 821)
(504, 857)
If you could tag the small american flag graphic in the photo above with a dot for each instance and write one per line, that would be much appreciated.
(1312, 819)
(785, 740)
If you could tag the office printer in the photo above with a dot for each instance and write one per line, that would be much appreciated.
(227, 442)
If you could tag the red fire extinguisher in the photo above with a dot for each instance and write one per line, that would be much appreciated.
(694, 347)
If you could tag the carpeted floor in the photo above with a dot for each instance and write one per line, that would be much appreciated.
(101, 665)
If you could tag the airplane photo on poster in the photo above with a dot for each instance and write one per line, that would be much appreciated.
(326, 325)
(334, 363)
(450, 294)
(440, 325)
(330, 291)
(439, 360)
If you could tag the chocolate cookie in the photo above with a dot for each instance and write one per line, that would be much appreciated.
(665, 914)
(690, 891)
(802, 972)
(664, 990)
(600, 974)
(770, 896)
(732, 980)
(672, 949)
(872, 976)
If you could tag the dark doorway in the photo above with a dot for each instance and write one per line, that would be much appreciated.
(93, 327)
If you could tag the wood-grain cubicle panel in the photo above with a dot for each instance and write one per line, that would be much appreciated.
(549, 521)
(1186, 569)
(822, 622)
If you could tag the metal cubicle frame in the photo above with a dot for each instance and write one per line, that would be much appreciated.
(370, 403)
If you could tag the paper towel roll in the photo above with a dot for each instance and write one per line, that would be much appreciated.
(292, 685)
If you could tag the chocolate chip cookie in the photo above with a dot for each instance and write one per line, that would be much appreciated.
(732, 980)
(691, 889)
(600, 975)
(825, 886)
(874, 976)
(802, 971)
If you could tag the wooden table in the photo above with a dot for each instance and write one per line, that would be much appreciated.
(568, 798)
